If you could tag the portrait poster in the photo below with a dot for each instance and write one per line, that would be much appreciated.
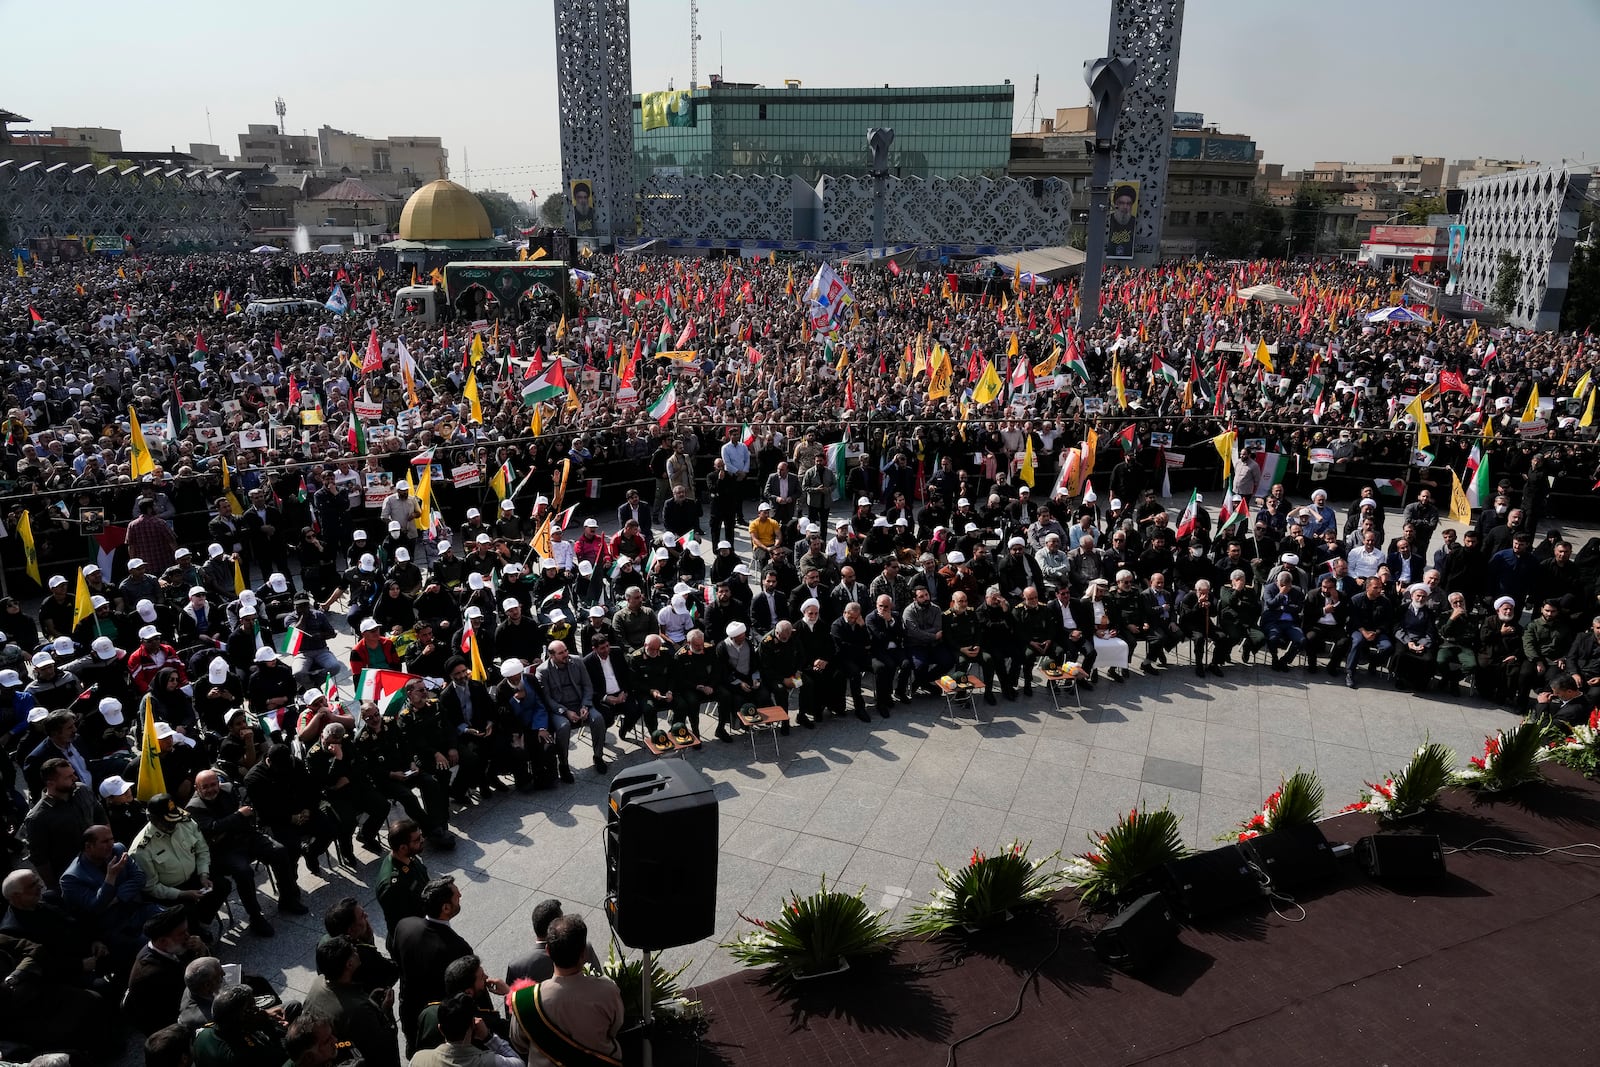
(581, 195)
(1123, 220)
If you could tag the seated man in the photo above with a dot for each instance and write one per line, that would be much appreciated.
(613, 684)
(652, 672)
(104, 886)
(240, 1033)
(1372, 618)
(229, 828)
(155, 984)
(398, 775)
(175, 857)
(70, 953)
(570, 699)
(203, 979)
(569, 1009)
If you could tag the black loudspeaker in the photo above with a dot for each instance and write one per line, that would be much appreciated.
(1295, 856)
(1206, 883)
(661, 856)
(1402, 857)
(1141, 934)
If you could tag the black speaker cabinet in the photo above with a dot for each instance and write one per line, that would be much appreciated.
(1207, 883)
(1401, 857)
(1293, 857)
(1141, 934)
(661, 856)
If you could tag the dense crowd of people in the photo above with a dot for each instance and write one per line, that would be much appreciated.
(826, 507)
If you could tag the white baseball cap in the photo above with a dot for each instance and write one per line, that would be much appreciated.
(402, 555)
(214, 550)
(247, 611)
(590, 524)
(111, 711)
(182, 553)
(57, 580)
(368, 624)
(510, 602)
(98, 601)
(10, 679)
(135, 563)
(103, 648)
(557, 615)
(597, 612)
(234, 713)
(358, 535)
(311, 696)
(278, 582)
(474, 612)
(115, 786)
(957, 557)
(474, 513)
(265, 654)
(146, 610)
(506, 505)
(63, 646)
(148, 632)
(218, 671)
(198, 590)
(92, 568)
(394, 526)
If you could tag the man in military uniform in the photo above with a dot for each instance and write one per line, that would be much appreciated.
(653, 671)
(1039, 632)
(696, 671)
(779, 659)
(401, 876)
(432, 742)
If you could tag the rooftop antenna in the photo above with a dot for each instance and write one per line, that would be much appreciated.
(281, 108)
(1033, 108)
(208, 125)
(694, 45)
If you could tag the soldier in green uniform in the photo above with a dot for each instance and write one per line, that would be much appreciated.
(1238, 618)
(401, 876)
(963, 632)
(397, 772)
(433, 743)
(778, 656)
(653, 668)
(696, 671)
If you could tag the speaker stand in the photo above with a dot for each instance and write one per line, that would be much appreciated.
(648, 1016)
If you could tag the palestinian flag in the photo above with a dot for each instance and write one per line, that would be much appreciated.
(1186, 521)
(387, 689)
(1235, 509)
(1163, 371)
(665, 407)
(664, 338)
(292, 641)
(356, 435)
(1072, 361)
(549, 386)
(1392, 486)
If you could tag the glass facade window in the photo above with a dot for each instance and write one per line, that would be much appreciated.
(940, 131)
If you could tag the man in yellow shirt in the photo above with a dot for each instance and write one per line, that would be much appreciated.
(763, 534)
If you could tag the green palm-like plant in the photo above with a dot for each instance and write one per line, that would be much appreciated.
(1297, 802)
(813, 933)
(1510, 757)
(1140, 843)
(667, 1003)
(1432, 767)
(986, 888)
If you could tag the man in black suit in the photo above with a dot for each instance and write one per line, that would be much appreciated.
(634, 508)
(535, 964)
(265, 538)
(613, 685)
(423, 948)
(769, 606)
(780, 491)
(465, 701)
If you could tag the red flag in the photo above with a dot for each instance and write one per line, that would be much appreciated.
(535, 365)
(1451, 382)
(294, 391)
(200, 342)
(36, 316)
(373, 360)
(894, 268)
(850, 389)
(277, 345)
(753, 354)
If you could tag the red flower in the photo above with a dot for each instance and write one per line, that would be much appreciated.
(1386, 791)
(1094, 858)
(1491, 745)
(1594, 719)
(1258, 821)
(1478, 763)
(1272, 801)
(975, 858)
(1247, 835)
(1357, 806)
(1133, 815)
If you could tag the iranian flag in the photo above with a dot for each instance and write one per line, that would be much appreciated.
(665, 407)
(1162, 370)
(1479, 488)
(747, 436)
(1274, 468)
(292, 641)
(549, 386)
(1187, 519)
(356, 435)
(387, 689)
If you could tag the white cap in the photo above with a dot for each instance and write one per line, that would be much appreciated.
(181, 553)
(36, 715)
(10, 679)
(402, 555)
(864, 502)
(902, 521)
(357, 535)
(475, 581)
(135, 563)
(148, 632)
(92, 568)
(511, 668)
(368, 562)
(963, 503)
(474, 513)
(474, 612)
(812, 528)
(737, 629)
(1116, 504)
(510, 602)
(957, 557)
(265, 654)
(506, 505)
(218, 671)
(311, 696)
(588, 523)
(971, 527)
(557, 615)
(597, 612)
(278, 582)
(213, 550)
(547, 564)
(57, 580)
(247, 596)
(114, 786)
(1090, 497)
(763, 506)
(247, 611)
(164, 731)
(1024, 489)
(585, 568)
(98, 601)
(103, 648)
(234, 713)
(146, 610)
(742, 569)
(394, 526)
(540, 499)
(368, 624)
(63, 646)
(198, 590)
(729, 544)
(444, 546)
(484, 539)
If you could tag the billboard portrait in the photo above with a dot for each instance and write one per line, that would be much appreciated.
(1457, 250)
(581, 195)
(1124, 217)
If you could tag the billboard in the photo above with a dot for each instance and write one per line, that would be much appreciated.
(1403, 235)
(581, 195)
(1456, 253)
(1230, 151)
(1122, 220)
(1188, 120)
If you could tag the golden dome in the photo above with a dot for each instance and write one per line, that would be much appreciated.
(444, 211)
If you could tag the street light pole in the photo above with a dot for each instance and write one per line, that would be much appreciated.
(1107, 78)
(879, 139)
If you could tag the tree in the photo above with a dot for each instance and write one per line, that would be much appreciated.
(1418, 209)
(1259, 233)
(553, 211)
(504, 212)
(1507, 282)
(1305, 218)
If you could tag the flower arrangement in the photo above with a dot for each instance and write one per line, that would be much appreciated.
(986, 888)
(813, 933)
(1580, 748)
(1139, 844)
(673, 1012)
(1510, 758)
(1298, 802)
(1412, 790)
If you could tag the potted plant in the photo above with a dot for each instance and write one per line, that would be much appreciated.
(986, 890)
(1298, 802)
(1510, 758)
(814, 935)
(1125, 857)
(674, 1014)
(1411, 791)
(1579, 747)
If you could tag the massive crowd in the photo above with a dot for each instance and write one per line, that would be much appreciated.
(829, 508)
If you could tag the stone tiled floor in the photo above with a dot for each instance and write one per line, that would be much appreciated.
(878, 805)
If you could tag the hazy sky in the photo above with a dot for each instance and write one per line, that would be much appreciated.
(1353, 80)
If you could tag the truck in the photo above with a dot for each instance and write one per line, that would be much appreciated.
(508, 289)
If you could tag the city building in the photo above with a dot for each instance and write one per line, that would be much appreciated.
(746, 129)
(394, 164)
(264, 143)
(1410, 248)
(1531, 215)
(1409, 174)
(1210, 174)
(1466, 170)
(95, 138)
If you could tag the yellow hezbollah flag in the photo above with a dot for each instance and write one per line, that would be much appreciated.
(1264, 357)
(1531, 412)
(227, 489)
(1460, 507)
(82, 603)
(477, 348)
(988, 386)
(1025, 472)
(470, 391)
(238, 578)
(142, 462)
(1223, 443)
(939, 374)
(536, 427)
(21, 273)
(25, 532)
(1414, 409)
(152, 782)
(478, 673)
(1588, 412)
